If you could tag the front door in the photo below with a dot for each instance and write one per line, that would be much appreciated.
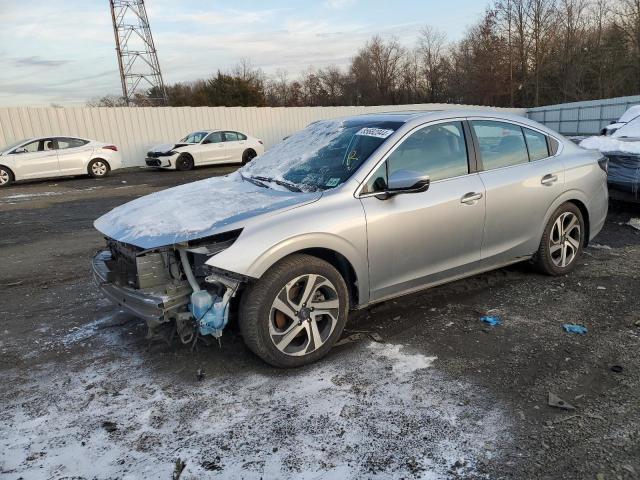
(421, 238)
(521, 181)
(38, 159)
(211, 150)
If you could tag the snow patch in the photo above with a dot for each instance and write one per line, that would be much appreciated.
(610, 144)
(635, 223)
(374, 410)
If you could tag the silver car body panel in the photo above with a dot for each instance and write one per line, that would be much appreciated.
(412, 241)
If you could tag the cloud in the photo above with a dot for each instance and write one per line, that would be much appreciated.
(37, 61)
(339, 4)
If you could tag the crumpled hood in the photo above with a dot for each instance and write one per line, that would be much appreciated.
(166, 147)
(195, 210)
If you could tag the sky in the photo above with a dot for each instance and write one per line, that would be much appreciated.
(63, 51)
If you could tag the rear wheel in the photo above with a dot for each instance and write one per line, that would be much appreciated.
(6, 176)
(248, 155)
(98, 168)
(562, 241)
(184, 162)
(295, 313)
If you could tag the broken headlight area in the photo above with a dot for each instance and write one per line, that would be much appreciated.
(171, 286)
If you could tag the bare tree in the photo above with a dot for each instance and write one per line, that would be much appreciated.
(432, 48)
(542, 15)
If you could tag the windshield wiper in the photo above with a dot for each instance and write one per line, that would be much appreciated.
(292, 187)
(253, 180)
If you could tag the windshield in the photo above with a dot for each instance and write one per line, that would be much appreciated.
(629, 130)
(195, 137)
(323, 155)
(12, 146)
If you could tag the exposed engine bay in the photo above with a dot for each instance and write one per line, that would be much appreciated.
(170, 286)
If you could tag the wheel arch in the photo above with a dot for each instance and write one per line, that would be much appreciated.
(330, 248)
(585, 216)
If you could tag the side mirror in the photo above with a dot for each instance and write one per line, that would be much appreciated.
(405, 181)
(20, 150)
(206, 141)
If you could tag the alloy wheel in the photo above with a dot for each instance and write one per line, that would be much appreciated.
(4, 177)
(303, 315)
(565, 239)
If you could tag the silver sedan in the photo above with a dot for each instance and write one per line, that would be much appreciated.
(345, 214)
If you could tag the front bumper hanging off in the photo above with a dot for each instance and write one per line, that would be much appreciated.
(146, 304)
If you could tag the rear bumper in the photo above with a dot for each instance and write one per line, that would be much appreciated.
(147, 305)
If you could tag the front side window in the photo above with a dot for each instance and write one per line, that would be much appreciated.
(215, 137)
(501, 144)
(31, 147)
(439, 151)
(230, 137)
(537, 144)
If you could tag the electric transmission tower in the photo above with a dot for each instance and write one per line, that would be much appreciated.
(137, 57)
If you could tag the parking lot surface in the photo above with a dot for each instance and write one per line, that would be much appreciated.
(425, 390)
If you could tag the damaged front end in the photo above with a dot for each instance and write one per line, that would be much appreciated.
(170, 285)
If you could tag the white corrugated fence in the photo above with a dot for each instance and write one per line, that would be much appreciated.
(136, 129)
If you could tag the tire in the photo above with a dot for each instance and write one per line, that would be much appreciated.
(284, 285)
(6, 177)
(98, 168)
(248, 155)
(563, 236)
(184, 162)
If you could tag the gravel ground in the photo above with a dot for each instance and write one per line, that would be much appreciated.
(84, 395)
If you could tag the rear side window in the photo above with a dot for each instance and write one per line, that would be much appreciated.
(537, 144)
(501, 144)
(71, 143)
(230, 137)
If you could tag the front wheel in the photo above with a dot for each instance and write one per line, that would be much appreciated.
(248, 155)
(295, 313)
(184, 163)
(562, 241)
(6, 177)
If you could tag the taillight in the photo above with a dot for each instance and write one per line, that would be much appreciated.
(260, 142)
(604, 164)
(111, 147)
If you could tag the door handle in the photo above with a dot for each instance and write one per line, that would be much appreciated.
(471, 198)
(549, 179)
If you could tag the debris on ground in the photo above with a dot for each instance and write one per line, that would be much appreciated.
(634, 222)
(597, 246)
(617, 368)
(601, 288)
(557, 402)
(109, 426)
(357, 336)
(177, 471)
(200, 375)
(492, 320)
(574, 328)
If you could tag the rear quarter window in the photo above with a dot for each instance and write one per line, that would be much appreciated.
(536, 144)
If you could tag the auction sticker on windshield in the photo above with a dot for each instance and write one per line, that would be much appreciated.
(375, 132)
(333, 182)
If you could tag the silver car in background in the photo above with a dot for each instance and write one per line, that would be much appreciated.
(345, 214)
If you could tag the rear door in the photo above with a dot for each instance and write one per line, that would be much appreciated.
(235, 144)
(73, 155)
(521, 180)
(37, 159)
(421, 238)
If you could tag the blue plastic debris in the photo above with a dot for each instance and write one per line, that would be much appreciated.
(492, 320)
(573, 328)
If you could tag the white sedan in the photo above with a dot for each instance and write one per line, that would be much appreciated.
(206, 147)
(47, 157)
